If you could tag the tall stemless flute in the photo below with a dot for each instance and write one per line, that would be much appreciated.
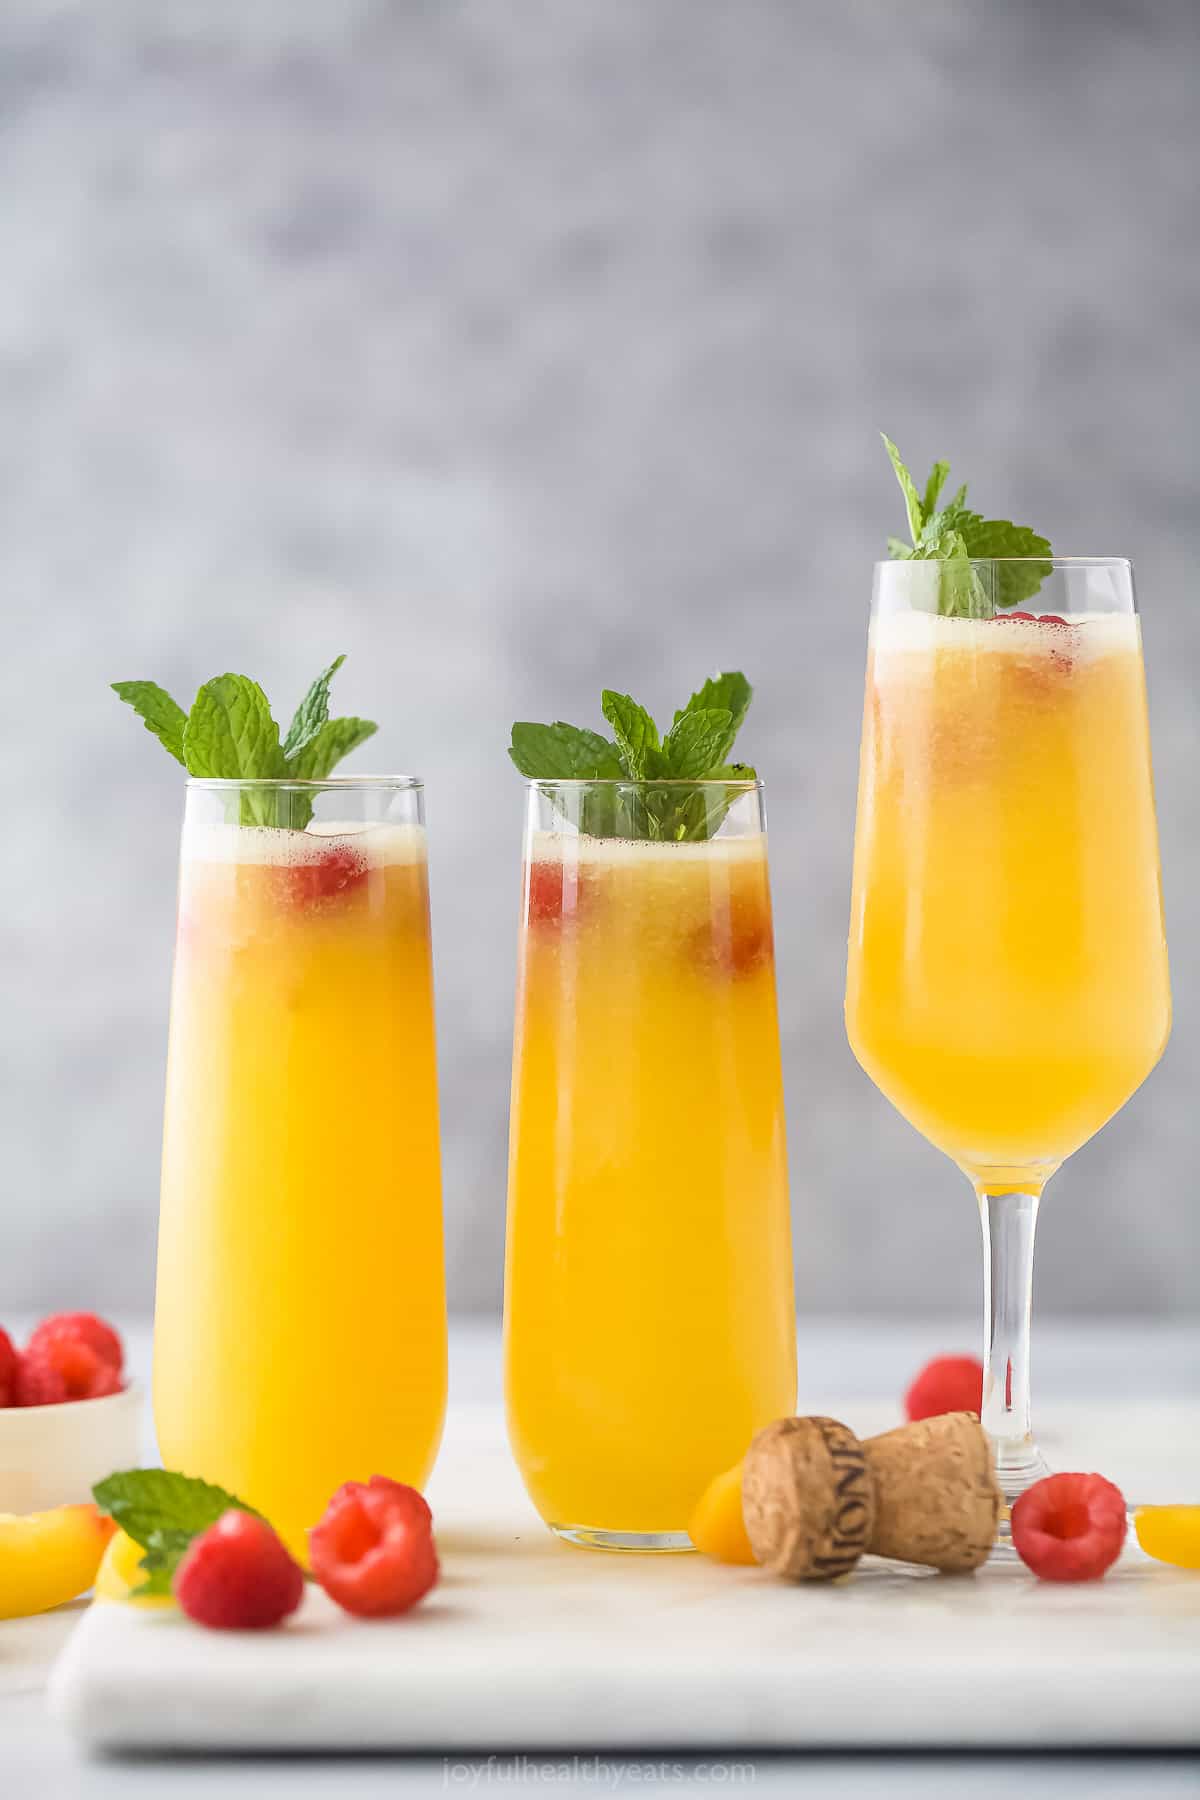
(649, 1318)
(300, 1324)
(1007, 985)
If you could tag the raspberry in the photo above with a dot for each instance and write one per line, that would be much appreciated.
(62, 1368)
(544, 888)
(1069, 1527)
(947, 1384)
(237, 1576)
(9, 1361)
(1034, 619)
(554, 891)
(329, 877)
(399, 1491)
(373, 1551)
(85, 1328)
(751, 939)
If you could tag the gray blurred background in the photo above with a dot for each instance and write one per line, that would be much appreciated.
(519, 349)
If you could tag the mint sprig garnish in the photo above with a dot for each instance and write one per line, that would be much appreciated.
(955, 536)
(695, 749)
(337, 738)
(312, 711)
(157, 711)
(231, 735)
(163, 1512)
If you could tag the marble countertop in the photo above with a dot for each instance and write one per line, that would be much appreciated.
(843, 1363)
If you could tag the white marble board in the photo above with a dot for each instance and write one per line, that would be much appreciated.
(529, 1644)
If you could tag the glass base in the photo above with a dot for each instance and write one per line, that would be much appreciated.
(588, 1538)
(1014, 1473)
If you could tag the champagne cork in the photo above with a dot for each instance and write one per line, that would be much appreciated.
(936, 1498)
(808, 1499)
(814, 1498)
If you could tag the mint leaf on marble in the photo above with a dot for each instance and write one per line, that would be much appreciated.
(163, 1511)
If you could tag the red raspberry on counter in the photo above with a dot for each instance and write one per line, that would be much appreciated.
(373, 1551)
(9, 1362)
(238, 1576)
(399, 1491)
(63, 1368)
(1069, 1527)
(947, 1384)
(85, 1328)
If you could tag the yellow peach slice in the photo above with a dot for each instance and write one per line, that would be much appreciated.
(1170, 1533)
(716, 1526)
(49, 1557)
(120, 1572)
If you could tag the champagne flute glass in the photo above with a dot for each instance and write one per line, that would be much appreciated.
(1007, 981)
(649, 1316)
(300, 1316)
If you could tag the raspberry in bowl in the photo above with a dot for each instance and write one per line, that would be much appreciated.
(68, 1415)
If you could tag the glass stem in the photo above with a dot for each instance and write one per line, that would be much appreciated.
(1009, 1221)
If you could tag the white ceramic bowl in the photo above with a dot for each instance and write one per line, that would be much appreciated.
(51, 1455)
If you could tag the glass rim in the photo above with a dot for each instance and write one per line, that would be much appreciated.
(328, 784)
(1001, 562)
(623, 781)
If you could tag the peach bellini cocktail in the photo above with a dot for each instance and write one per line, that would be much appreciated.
(300, 1317)
(1007, 979)
(650, 1326)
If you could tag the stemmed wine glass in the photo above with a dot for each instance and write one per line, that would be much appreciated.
(1007, 982)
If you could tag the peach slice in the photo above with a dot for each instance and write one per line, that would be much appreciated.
(716, 1526)
(1170, 1534)
(120, 1572)
(49, 1557)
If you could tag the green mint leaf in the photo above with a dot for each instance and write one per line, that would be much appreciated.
(161, 715)
(335, 739)
(950, 518)
(230, 734)
(694, 750)
(1017, 582)
(934, 486)
(908, 487)
(164, 1553)
(697, 742)
(956, 536)
(161, 1510)
(158, 1578)
(704, 811)
(731, 690)
(960, 592)
(635, 732)
(562, 752)
(312, 711)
